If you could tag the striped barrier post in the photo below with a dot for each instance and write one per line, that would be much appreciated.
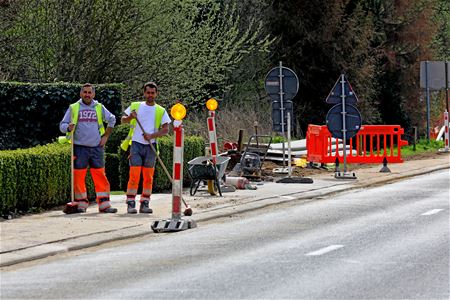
(211, 104)
(177, 174)
(178, 112)
(446, 134)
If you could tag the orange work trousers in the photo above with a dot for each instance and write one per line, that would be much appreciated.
(133, 183)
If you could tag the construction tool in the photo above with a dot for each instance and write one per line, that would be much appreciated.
(188, 210)
(72, 206)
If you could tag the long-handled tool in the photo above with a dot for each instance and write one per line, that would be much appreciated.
(71, 207)
(188, 210)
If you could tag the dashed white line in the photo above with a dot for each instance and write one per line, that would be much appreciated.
(432, 212)
(288, 197)
(324, 250)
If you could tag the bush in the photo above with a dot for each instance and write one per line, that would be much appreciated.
(117, 136)
(32, 112)
(34, 178)
(112, 170)
(39, 177)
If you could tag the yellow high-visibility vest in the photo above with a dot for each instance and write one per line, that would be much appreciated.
(159, 113)
(75, 109)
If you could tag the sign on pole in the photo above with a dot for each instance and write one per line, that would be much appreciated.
(343, 119)
(336, 94)
(432, 75)
(281, 85)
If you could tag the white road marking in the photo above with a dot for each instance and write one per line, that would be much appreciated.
(324, 250)
(432, 212)
(288, 197)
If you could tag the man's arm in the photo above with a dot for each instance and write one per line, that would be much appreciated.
(162, 132)
(127, 119)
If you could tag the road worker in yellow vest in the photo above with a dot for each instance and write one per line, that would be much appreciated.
(155, 121)
(85, 120)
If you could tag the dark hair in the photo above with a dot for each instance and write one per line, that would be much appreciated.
(151, 84)
(88, 85)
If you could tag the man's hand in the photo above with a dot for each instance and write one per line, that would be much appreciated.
(127, 119)
(103, 140)
(105, 137)
(148, 136)
(70, 127)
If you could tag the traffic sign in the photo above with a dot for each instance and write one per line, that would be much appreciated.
(289, 87)
(432, 75)
(276, 115)
(335, 95)
(335, 121)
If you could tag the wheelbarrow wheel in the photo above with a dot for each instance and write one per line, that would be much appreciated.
(212, 188)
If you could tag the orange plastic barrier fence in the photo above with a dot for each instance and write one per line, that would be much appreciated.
(371, 145)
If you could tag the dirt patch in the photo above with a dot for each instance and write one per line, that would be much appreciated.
(268, 166)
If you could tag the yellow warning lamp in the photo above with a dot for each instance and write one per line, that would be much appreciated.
(211, 104)
(178, 111)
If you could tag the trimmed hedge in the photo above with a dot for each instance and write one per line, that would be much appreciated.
(112, 170)
(31, 112)
(34, 178)
(39, 177)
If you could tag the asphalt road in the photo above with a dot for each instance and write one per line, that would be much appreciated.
(382, 243)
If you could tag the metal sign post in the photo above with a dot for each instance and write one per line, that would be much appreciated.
(434, 77)
(291, 179)
(281, 85)
(280, 78)
(427, 89)
(344, 128)
(343, 119)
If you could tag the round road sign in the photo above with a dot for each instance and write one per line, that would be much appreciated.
(352, 121)
(290, 84)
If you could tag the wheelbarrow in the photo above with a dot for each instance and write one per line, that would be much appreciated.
(203, 169)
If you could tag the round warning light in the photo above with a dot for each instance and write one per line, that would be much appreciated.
(212, 104)
(178, 111)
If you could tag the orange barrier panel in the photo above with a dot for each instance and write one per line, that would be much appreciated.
(371, 145)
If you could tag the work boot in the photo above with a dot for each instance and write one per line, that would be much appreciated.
(131, 208)
(144, 209)
(110, 210)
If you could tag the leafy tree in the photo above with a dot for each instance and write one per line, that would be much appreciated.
(189, 47)
(319, 40)
(441, 42)
(404, 33)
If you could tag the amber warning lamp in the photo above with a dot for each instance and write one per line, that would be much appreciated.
(178, 112)
(212, 104)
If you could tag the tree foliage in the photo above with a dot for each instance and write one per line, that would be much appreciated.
(319, 40)
(188, 47)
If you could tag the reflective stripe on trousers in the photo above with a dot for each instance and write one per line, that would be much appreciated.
(103, 203)
(82, 204)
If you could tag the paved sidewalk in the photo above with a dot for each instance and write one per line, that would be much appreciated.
(37, 236)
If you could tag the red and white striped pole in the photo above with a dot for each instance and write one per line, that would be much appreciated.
(446, 149)
(212, 104)
(178, 112)
(177, 175)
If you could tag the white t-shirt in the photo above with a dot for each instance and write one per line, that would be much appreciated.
(146, 116)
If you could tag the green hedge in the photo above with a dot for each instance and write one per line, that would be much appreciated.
(39, 177)
(112, 170)
(31, 112)
(34, 178)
